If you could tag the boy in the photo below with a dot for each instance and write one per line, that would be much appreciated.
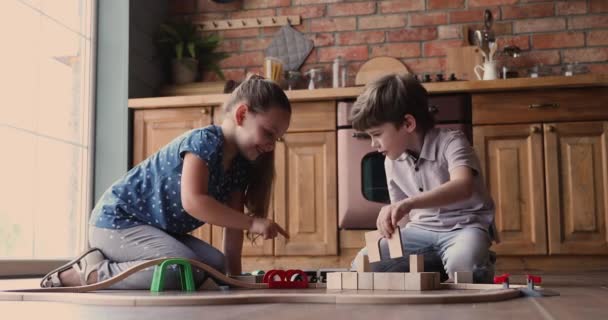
(438, 196)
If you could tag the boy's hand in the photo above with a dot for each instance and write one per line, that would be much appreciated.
(390, 215)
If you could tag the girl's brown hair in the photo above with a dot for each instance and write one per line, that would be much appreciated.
(260, 95)
(388, 99)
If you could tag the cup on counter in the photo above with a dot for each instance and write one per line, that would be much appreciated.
(273, 69)
(489, 71)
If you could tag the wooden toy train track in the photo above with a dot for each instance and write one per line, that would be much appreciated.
(258, 293)
(218, 276)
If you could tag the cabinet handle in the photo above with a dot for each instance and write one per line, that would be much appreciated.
(280, 139)
(543, 105)
(205, 111)
(551, 128)
(535, 129)
(433, 109)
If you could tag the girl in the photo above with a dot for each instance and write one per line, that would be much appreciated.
(207, 175)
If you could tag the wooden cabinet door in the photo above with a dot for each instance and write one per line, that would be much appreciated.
(512, 164)
(305, 194)
(152, 129)
(259, 247)
(576, 164)
(203, 233)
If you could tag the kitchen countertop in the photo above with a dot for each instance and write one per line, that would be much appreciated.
(587, 80)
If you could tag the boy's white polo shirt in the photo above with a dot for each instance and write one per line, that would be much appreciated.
(442, 151)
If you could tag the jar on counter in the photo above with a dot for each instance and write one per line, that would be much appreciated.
(339, 73)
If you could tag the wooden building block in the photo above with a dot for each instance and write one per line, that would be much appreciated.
(463, 277)
(416, 263)
(362, 263)
(372, 242)
(349, 281)
(422, 281)
(437, 284)
(365, 281)
(395, 246)
(334, 280)
(389, 280)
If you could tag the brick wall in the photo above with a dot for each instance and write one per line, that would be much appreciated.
(415, 31)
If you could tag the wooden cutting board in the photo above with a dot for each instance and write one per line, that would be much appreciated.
(462, 60)
(377, 67)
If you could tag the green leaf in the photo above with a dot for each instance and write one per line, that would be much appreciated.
(179, 50)
(192, 49)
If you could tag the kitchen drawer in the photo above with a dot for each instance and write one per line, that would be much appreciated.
(305, 116)
(453, 108)
(450, 108)
(540, 106)
(313, 116)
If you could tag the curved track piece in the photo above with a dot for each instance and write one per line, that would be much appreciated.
(216, 275)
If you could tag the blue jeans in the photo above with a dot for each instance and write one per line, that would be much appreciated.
(465, 249)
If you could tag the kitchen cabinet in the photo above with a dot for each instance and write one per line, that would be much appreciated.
(548, 174)
(576, 165)
(541, 143)
(152, 129)
(511, 159)
(306, 194)
(305, 207)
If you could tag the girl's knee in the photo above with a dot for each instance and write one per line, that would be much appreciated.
(216, 260)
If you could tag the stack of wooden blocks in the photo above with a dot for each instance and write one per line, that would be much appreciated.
(416, 279)
(362, 279)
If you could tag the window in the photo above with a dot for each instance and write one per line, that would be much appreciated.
(45, 128)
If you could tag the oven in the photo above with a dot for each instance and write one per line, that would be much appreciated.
(362, 189)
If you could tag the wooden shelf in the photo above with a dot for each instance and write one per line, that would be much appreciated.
(588, 80)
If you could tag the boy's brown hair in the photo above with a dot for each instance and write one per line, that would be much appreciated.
(388, 99)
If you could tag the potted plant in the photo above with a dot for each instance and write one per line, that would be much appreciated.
(186, 48)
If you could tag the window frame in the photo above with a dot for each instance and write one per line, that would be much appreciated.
(13, 268)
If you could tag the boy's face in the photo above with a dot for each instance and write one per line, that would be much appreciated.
(390, 140)
(258, 132)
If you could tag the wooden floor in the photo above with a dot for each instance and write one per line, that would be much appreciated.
(582, 296)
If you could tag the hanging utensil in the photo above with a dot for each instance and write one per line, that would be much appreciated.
(493, 47)
(487, 35)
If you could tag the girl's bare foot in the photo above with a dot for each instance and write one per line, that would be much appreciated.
(70, 278)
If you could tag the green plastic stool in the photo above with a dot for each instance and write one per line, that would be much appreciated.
(185, 272)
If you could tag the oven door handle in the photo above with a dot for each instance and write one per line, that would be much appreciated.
(361, 135)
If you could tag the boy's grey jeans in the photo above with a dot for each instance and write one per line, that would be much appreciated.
(445, 252)
(125, 248)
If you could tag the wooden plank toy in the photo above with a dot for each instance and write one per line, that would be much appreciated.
(362, 263)
(372, 242)
(350, 281)
(416, 263)
(463, 277)
(365, 281)
(334, 280)
(389, 280)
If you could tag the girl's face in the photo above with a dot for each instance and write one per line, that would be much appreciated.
(392, 141)
(257, 133)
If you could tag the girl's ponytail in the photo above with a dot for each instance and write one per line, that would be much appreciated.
(261, 95)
